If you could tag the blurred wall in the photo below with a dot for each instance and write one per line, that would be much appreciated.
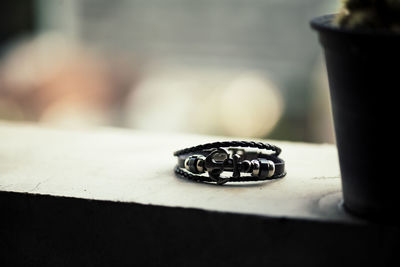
(16, 18)
(221, 41)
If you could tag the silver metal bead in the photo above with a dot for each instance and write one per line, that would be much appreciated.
(186, 164)
(256, 167)
(200, 164)
(271, 168)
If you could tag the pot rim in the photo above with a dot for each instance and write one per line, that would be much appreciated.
(324, 24)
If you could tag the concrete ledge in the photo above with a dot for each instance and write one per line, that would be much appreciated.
(109, 196)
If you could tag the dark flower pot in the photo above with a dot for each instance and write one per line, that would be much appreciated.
(364, 78)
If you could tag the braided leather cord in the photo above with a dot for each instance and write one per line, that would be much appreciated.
(258, 145)
(201, 178)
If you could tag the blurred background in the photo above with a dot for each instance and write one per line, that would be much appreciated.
(244, 68)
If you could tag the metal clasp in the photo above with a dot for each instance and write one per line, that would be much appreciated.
(215, 164)
(218, 161)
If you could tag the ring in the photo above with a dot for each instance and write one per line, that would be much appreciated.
(247, 161)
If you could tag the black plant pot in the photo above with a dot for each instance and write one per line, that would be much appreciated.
(364, 78)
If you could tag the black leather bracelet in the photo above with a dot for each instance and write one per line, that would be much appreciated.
(246, 160)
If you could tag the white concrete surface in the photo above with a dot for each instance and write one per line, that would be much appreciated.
(133, 166)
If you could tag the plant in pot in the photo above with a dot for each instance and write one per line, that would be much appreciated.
(362, 52)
